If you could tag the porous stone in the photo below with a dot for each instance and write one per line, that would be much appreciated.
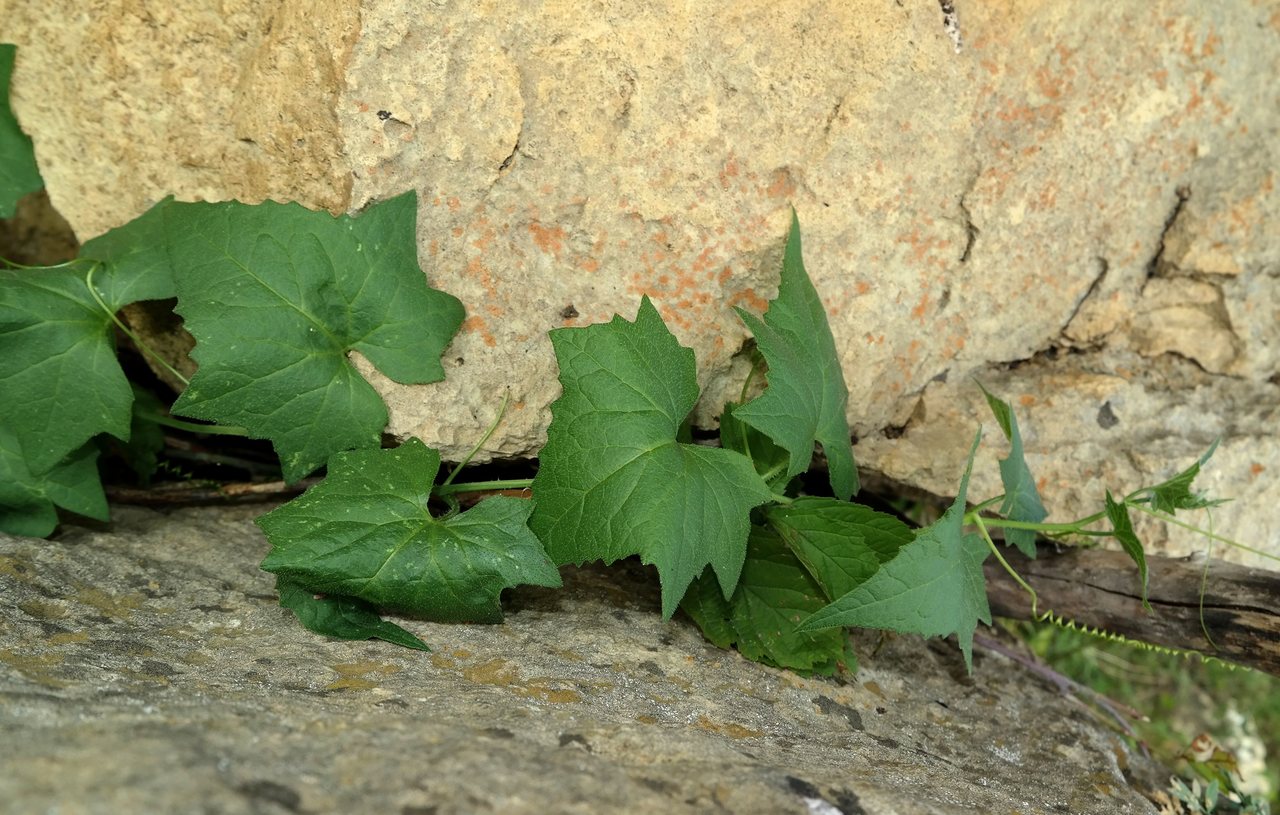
(982, 193)
(147, 668)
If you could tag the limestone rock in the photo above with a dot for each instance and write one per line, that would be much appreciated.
(148, 667)
(1095, 180)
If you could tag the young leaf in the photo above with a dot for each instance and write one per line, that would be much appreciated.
(365, 532)
(934, 586)
(764, 454)
(146, 438)
(1021, 498)
(1122, 529)
(773, 595)
(614, 482)
(18, 173)
(277, 295)
(341, 617)
(1176, 493)
(27, 499)
(841, 544)
(806, 398)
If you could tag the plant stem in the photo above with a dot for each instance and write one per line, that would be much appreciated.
(142, 346)
(467, 460)
(1069, 528)
(986, 504)
(485, 486)
(1210, 535)
(995, 550)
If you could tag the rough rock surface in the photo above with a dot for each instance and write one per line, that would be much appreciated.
(1078, 204)
(149, 669)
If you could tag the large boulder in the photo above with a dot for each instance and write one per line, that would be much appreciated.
(149, 669)
(1074, 202)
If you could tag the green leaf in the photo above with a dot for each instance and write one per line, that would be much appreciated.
(774, 594)
(841, 544)
(135, 258)
(1122, 529)
(614, 482)
(1021, 498)
(934, 587)
(1176, 493)
(18, 173)
(745, 439)
(341, 617)
(277, 295)
(365, 532)
(27, 499)
(806, 398)
(60, 383)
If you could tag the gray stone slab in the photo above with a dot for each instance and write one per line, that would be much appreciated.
(148, 668)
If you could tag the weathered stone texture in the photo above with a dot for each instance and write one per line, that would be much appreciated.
(1079, 205)
(149, 669)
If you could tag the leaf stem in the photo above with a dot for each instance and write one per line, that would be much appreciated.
(13, 264)
(178, 424)
(978, 508)
(484, 486)
(502, 411)
(995, 550)
(746, 385)
(142, 346)
(1210, 535)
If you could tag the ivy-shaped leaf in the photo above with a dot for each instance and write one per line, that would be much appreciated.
(27, 499)
(365, 532)
(614, 482)
(934, 587)
(277, 295)
(1176, 493)
(60, 383)
(841, 544)
(774, 594)
(806, 398)
(1122, 529)
(341, 617)
(18, 173)
(1021, 498)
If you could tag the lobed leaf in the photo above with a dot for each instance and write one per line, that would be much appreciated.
(1021, 498)
(18, 172)
(807, 397)
(614, 482)
(60, 383)
(1176, 493)
(277, 296)
(366, 532)
(27, 499)
(933, 587)
(773, 595)
(1122, 530)
(341, 617)
(841, 544)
